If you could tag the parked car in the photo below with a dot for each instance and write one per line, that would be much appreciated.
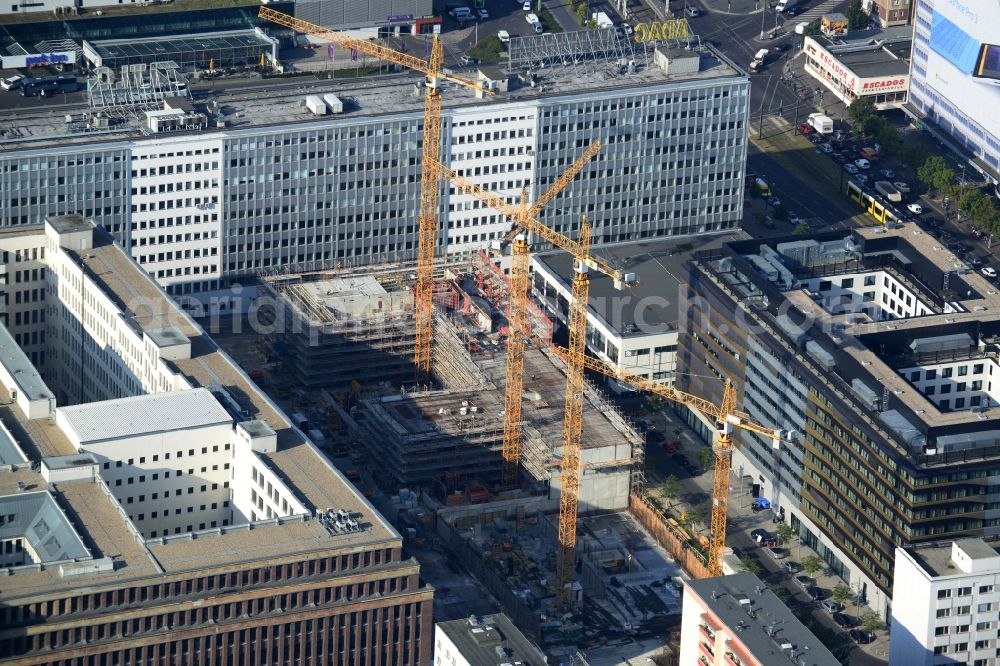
(831, 606)
(759, 534)
(888, 174)
(805, 582)
(468, 60)
(680, 459)
(526, 5)
(901, 186)
(504, 37)
(850, 168)
(863, 637)
(780, 48)
(789, 566)
(777, 553)
(805, 130)
(670, 447)
(816, 593)
(793, 217)
(693, 11)
(843, 621)
(988, 271)
(825, 148)
(915, 208)
(974, 261)
(862, 163)
(483, 13)
(773, 202)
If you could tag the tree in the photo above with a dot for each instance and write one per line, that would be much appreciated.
(870, 621)
(706, 457)
(784, 595)
(671, 488)
(812, 29)
(812, 564)
(678, 431)
(841, 594)
(861, 109)
(913, 155)
(857, 17)
(928, 171)
(784, 533)
(697, 515)
(751, 565)
(582, 11)
(971, 202)
(801, 229)
(887, 137)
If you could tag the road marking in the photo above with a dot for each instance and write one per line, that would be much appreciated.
(816, 12)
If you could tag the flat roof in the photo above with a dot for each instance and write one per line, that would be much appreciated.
(877, 62)
(144, 414)
(935, 557)
(164, 48)
(658, 264)
(768, 628)
(10, 452)
(490, 640)
(167, 336)
(282, 103)
(981, 304)
(17, 364)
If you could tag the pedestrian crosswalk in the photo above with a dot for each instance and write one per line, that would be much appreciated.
(814, 13)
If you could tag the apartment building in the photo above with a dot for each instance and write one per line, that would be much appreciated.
(889, 12)
(737, 621)
(876, 351)
(946, 598)
(179, 517)
(280, 187)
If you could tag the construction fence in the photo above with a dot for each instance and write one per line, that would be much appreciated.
(669, 535)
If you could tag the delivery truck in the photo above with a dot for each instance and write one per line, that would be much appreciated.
(822, 124)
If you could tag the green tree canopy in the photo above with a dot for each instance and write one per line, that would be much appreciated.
(872, 622)
(842, 594)
(857, 17)
(706, 457)
(861, 109)
(671, 488)
(751, 565)
(784, 533)
(812, 564)
(801, 229)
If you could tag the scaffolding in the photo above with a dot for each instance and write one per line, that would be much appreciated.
(135, 89)
(621, 54)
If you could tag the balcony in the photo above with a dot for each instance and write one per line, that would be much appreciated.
(706, 632)
(707, 651)
(732, 659)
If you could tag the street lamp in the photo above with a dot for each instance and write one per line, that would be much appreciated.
(763, 13)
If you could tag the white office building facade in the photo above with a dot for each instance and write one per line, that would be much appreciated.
(204, 211)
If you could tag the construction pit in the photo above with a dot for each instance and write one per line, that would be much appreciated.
(429, 456)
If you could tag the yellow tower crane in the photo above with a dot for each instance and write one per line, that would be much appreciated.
(433, 69)
(725, 417)
(524, 221)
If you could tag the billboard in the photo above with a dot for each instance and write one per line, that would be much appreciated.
(963, 62)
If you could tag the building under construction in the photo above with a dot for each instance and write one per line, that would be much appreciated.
(355, 329)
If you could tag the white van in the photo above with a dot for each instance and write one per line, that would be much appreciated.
(11, 82)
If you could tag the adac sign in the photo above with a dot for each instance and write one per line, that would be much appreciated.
(651, 32)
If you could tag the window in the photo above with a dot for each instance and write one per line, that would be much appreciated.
(964, 591)
(942, 631)
(944, 594)
(985, 608)
(869, 280)
(944, 612)
(985, 589)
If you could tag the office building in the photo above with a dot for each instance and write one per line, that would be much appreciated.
(483, 641)
(945, 599)
(856, 65)
(875, 350)
(955, 79)
(737, 621)
(633, 328)
(155, 506)
(280, 188)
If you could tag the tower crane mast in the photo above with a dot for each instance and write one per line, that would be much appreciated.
(433, 69)
(725, 416)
